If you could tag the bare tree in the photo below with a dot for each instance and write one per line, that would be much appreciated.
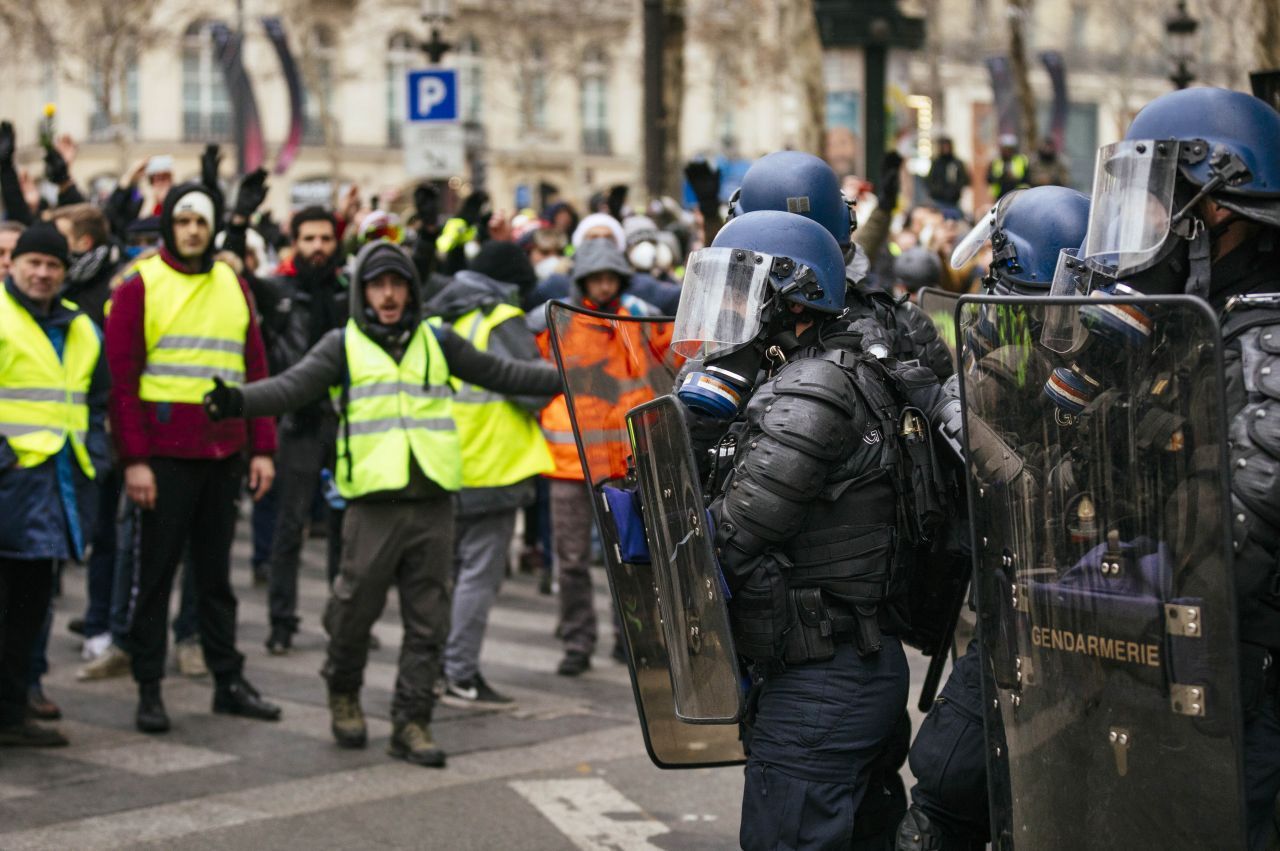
(1019, 11)
(1267, 29)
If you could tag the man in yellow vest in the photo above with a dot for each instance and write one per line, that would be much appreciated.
(180, 319)
(399, 464)
(1008, 171)
(53, 403)
(503, 452)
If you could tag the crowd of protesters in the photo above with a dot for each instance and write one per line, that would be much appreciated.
(168, 350)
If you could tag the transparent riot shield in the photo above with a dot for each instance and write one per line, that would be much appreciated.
(611, 364)
(691, 589)
(1098, 493)
(940, 307)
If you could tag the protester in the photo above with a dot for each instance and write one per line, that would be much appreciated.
(1008, 171)
(1048, 168)
(503, 452)
(948, 176)
(179, 320)
(399, 462)
(53, 400)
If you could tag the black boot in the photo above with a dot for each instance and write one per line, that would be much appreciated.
(151, 717)
(234, 696)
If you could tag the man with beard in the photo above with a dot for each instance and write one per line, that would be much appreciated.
(311, 301)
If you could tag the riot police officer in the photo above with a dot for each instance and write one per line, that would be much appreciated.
(1027, 229)
(1201, 215)
(814, 562)
(801, 183)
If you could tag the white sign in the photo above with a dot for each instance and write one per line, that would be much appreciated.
(434, 151)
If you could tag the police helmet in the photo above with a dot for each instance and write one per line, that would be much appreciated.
(795, 182)
(1027, 228)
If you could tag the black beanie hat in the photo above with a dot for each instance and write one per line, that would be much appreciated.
(43, 238)
(505, 262)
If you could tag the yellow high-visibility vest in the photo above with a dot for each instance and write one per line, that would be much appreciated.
(395, 412)
(501, 442)
(44, 400)
(195, 328)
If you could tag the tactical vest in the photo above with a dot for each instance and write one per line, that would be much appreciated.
(195, 327)
(394, 414)
(501, 443)
(44, 399)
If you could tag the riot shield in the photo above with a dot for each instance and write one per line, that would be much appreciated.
(1102, 569)
(940, 307)
(611, 364)
(691, 589)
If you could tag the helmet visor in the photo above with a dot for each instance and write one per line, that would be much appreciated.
(1062, 332)
(721, 299)
(968, 248)
(1132, 203)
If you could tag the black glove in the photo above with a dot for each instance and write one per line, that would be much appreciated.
(871, 337)
(209, 166)
(251, 194)
(890, 182)
(704, 180)
(6, 144)
(472, 210)
(223, 402)
(616, 200)
(426, 200)
(55, 167)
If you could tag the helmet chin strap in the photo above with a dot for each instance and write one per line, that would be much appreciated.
(1199, 262)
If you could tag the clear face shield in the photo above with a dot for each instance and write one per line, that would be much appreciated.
(721, 301)
(1131, 213)
(1062, 332)
(968, 247)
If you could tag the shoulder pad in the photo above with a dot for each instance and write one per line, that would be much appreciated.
(1265, 367)
(819, 379)
(1255, 472)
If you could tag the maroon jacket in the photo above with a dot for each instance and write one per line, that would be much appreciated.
(173, 430)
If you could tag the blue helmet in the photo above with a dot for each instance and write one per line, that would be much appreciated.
(1241, 126)
(795, 182)
(808, 263)
(1028, 228)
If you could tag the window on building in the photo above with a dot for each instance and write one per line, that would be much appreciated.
(318, 67)
(122, 98)
(471, 79)
(533, 90)
(595, 102)
(206, 106)
(401, 56)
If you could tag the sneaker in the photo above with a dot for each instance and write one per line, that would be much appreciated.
(191, 658)
(95, 647)
(41, 707)
(573, 664)
(113, 663)
(29, 734)
(280, 642)
(347, 720)
(412, 742)
(474, 693)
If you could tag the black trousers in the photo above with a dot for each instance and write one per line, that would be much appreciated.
(25, 587)
(196, 503)
(298, 464)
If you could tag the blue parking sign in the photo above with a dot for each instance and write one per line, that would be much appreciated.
(433, 95)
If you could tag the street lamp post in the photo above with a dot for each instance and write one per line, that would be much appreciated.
(1181, 29)
(434, 14)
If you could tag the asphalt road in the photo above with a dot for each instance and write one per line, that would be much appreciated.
(566, 769)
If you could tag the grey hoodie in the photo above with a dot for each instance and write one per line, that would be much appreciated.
(325, 366)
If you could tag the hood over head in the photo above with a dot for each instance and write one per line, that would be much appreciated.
(600, 255)
(205, 204)
(375, 258)
(467, 291)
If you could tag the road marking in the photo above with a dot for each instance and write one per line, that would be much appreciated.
(172, 821)
(592, 814)
(151, 758)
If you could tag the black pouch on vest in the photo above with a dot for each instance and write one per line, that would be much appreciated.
(758, 610)
(812, 635)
